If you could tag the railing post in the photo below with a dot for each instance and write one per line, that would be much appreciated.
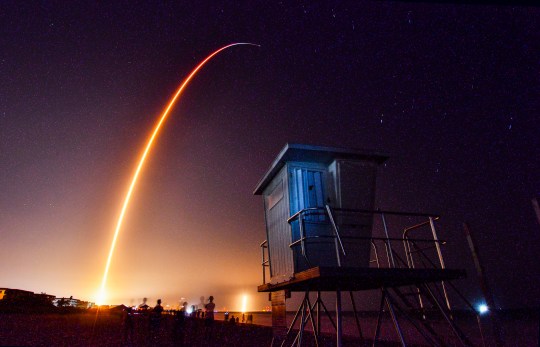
(303, 238)
(390, 255)
(265, 263)
(376, 253)
(301, 230)
(337, 238)
(263, 267)
(407, 250)
(263, 246)
(339, 323)
(412, 266)
(439, 253)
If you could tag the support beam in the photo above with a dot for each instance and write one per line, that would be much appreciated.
(356, 317)
(394, 319)
(313, 324)
(429, 293)
(379, 317)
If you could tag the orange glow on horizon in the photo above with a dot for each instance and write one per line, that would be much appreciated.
(244, 303)
(101, 297)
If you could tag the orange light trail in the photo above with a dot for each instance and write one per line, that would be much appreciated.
(101, 295)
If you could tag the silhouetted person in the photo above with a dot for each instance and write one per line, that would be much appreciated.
(180, 324)
(232, 321)
(202, 302)
(158, 309)
(128, 325)
(155, 322)
(226, 316)
(209, 314)
(209, 318)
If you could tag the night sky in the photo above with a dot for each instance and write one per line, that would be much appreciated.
(449, 92)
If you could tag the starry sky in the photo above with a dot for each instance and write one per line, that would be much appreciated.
(449, 92)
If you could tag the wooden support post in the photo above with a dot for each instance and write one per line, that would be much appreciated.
(339, 323)
(536, 208)
(279, 317)
(319, 312)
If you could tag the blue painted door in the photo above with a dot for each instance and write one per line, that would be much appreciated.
(307, 190)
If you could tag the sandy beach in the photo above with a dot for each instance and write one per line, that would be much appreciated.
(109, 329)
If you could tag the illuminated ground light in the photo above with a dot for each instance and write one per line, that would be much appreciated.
(483, 308)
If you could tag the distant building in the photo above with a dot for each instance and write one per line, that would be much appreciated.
(23, 298)
(14, 294)
(85, 304)
(18, 296)
(46, 297)
(70, 302)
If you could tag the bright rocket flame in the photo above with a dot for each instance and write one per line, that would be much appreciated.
(101, 296)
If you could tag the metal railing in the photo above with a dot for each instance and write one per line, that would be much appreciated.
(412, 254)
(410, 245)
(265, 260)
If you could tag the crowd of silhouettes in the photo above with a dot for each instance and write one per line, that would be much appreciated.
(181, 321)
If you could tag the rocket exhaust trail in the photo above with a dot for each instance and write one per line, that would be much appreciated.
(101, 295)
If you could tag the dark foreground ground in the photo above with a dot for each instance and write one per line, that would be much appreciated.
(110, 329)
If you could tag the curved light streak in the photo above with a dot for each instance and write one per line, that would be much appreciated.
(101, 295)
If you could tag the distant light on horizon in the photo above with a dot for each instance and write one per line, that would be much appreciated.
(244, 303)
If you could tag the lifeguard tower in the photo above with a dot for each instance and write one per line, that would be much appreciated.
(319, 212)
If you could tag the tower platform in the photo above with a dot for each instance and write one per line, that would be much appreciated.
(355, 279)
